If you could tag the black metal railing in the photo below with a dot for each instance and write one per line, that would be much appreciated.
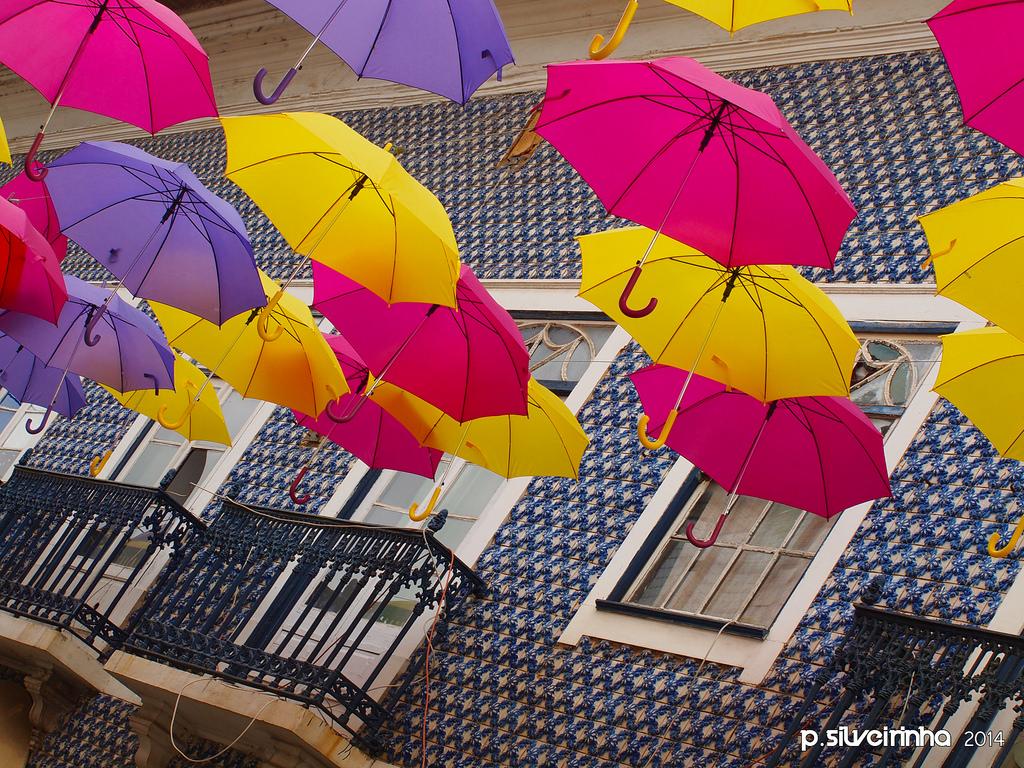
(76, 552)
(899, 672)
(313, 609)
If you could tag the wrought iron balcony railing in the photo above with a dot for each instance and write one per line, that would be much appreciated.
(321, 611)
(75, 552)
(898, 672)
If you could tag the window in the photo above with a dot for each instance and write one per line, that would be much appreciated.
(562, 350)
(13, 436)
(746, 577)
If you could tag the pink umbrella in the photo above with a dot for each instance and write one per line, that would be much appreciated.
(981, 42)
(819, 454)
(31, 278)
(373, 435)
(34, 199)
(132, 60)
(468, 361)
(675, 147)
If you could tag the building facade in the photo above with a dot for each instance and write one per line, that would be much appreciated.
(578, 628)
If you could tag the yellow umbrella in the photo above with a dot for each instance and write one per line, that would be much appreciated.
(346, 202)
(980, 374)
(204, 422)
(5, 148)
(548, 441)
(733, 15)
(977, 249)
(299, 371)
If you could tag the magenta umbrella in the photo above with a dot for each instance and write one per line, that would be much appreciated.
(372, 435)
(981, 42)
(681, 150)
(819, 454)
(34, 199)
(469, 361)
(30, 276)
(132, 60)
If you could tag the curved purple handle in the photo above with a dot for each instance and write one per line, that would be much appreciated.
(90, 327)
(293, 489)
(705, 543)
(257, 86)
(628, 291)
(34, 430)
(35, 171)
(156, 383)
(348, 416)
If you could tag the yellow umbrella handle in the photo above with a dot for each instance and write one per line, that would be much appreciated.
(599, 49)
(933, 256)
(419, 517)
(645, 439)
(166, 423)
(264, 319)
(98, 463)
(993, 543)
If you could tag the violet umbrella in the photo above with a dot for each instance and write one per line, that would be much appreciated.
(31, 279)
(28, 380)
(470, 362)
(372, 435)
(681, 150)
(448, 47)
(154, 225)
(132, 60)
(981, 42)
(34, 199)
(132, 352)
(819, 454)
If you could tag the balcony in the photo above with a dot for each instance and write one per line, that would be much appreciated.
(898, 671)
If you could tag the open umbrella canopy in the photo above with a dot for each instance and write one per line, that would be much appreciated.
(5, 149)
(297, 371)
(34, 199)
(675, 147)
(764, 330)
(372, 434)
(733, 15)
(28, 380)
(819, 454)
(980, 374)
(205, 420)
(977, 249)
(155, 226)
(470, 362)
(448, 47)
(32, 281)
(981, 42)
(347, 203)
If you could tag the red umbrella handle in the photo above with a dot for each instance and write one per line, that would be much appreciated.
(346, 418)
(705, 543)
(627, 292)
(257, 86)
(293, 489)
(35, 171)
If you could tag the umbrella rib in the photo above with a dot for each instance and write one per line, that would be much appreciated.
(458, 48)
(984, 256)
(145, 74)
(376, 39)
(682, 321)
(978, 367)
(735, 154)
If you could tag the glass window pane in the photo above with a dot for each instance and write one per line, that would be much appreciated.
(191, 473)
(694, 591)
(237, 411)
(775, 591)
(454, 531)
(774, 529)
(471, 492)
(404, 489)
(734, 592)
(738, 525)
(383, 516)
(655, 589)
(151, 465)
(810, 533)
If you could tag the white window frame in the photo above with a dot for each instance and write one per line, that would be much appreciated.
(24, 441)
(755, 657)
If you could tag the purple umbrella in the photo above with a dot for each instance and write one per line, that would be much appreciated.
(157, 228)
(131, 353)
(28, 380)
(448, 47)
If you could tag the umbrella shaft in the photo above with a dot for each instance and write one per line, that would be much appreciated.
(74, 63)
(323, 29)
(700, 354)
(671, 208)
(735, 495)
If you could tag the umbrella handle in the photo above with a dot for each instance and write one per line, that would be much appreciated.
(293, 489)
(257, 86)
(646, 441)
(599, 49)
(35, 171)
(90, 326)
(193, 400)
(35, 430)
(156, 382)
(993, 543)
(419, 517)
(98, 463)
(348, 416)
(262, 322)
(705, 543)
(627, 292)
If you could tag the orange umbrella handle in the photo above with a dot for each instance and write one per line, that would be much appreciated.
(419, 517)
(649, 443)
(264, 318)
(627, 292)
(98, 463)
(993, 543)
(599, 49)
(166, 423)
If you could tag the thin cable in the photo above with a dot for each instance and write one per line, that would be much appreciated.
(229, 747)
(426, 660)
(711, 647)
